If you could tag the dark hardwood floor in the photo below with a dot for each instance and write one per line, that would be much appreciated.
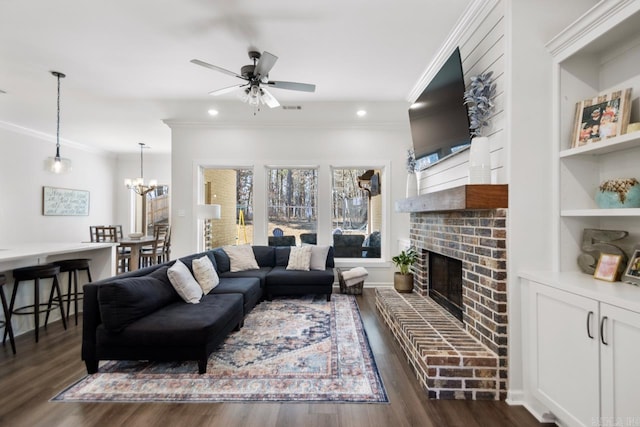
(39, 371)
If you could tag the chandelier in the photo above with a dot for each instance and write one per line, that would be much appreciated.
(137, 184)
(58, 164)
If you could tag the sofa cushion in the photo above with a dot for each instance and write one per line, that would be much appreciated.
(281, 276)
(241, 258)
(205, 274)
(282, 255)
(124, 301)
(223, 263)
(179, 324)
(184, 283)
(188, 260)
(265, 255)
(318, 257)
(249, 287)
(260, 274)
(299, 258)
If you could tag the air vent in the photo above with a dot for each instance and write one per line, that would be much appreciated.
(292, 107)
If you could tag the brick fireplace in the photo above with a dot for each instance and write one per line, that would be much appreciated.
(478, 239)
(456, 359)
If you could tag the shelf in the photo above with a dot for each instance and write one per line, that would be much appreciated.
(474, 196)
(600, 212)
(618, 143)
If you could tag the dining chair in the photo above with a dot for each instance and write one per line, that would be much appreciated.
(157, 252)
(110, 233)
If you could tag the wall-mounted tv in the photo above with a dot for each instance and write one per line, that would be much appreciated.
(439, 119)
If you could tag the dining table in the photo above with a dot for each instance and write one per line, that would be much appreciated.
(135, 245)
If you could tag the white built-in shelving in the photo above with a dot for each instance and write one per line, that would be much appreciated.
(575, 322)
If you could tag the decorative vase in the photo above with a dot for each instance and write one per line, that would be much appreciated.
(480, 161)
(403, 283)
(618, 193)
(412, 185)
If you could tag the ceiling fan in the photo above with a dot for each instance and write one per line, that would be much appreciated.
(256, 77)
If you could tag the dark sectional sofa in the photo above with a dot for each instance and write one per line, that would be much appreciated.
(139, 316)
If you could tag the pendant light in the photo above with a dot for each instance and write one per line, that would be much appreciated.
(137, 184)
(58, 164)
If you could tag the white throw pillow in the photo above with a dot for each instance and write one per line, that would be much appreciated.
(184, 283)
(299, 258)
(318, 257)
(241, 257)
(205, 274)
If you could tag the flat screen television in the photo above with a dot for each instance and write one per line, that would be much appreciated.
(439, 119)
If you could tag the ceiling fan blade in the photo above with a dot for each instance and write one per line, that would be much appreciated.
(304, 87)
(265, 64)
(226, 90)
(268, 99)
(215, 67)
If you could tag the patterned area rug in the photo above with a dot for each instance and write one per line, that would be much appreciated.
(293, 349)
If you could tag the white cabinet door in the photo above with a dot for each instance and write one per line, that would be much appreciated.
(565, 354)
(620, 358)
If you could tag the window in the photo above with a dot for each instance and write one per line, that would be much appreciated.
(356, 213)
(232, 189)
(292, 205)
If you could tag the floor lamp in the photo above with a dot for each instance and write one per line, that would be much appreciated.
(208, 213)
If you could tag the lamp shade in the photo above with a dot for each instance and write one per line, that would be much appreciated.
(209, 211)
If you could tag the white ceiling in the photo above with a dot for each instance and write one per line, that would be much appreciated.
(127, 62)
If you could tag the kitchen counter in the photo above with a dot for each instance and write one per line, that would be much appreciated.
(102, 264)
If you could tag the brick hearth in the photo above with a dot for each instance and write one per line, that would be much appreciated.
(448, 362)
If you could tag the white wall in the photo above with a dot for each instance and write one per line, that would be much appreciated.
(310, 145)
(22, 177)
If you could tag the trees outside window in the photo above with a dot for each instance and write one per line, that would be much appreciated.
(356, 213)
(292, 202)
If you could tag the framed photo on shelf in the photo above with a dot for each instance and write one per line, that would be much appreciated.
(632, 273)
(602, 117)
(607, 268)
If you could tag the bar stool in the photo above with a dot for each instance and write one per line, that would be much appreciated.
(72, 267)
(7, 319)
(36, 273)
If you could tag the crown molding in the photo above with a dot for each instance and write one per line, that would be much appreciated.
(183, 124)
(603, 15)
(12, 127)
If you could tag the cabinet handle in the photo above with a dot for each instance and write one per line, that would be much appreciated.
(589, 324)
(602, 330)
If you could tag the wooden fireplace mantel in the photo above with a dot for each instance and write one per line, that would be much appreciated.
(472, 196)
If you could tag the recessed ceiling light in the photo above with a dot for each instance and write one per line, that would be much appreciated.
(213, 112)
(361, 113)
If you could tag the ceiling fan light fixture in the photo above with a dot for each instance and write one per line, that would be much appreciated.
(58, 164)
(255, 75)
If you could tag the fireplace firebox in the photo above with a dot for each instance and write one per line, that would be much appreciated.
(445, 282)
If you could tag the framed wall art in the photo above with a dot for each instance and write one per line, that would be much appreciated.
(64, 202)
(632, 273)
(602, 117)
(607, 268)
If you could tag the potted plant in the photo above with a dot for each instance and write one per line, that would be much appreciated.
(479, 98)
(403, 279)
